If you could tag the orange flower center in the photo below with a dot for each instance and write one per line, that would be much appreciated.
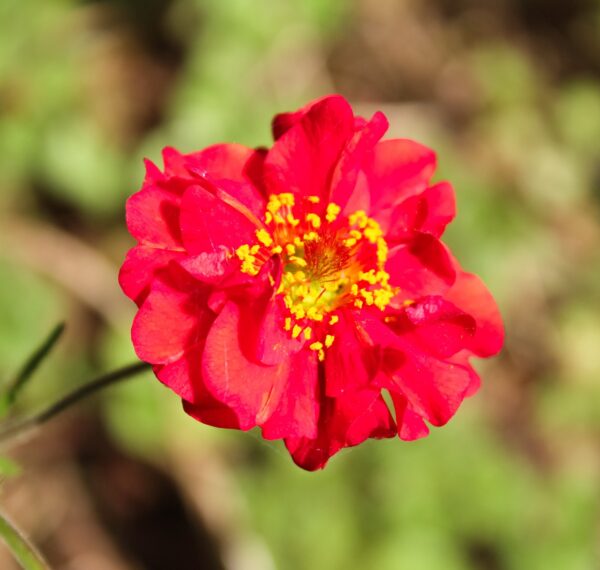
(328, 262)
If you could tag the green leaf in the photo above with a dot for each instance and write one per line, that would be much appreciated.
(23, 551)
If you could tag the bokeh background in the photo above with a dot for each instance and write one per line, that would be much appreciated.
(507, 92)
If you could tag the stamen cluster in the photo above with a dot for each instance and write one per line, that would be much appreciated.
(329, 261)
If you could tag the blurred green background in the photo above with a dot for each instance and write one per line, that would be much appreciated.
(507, 92)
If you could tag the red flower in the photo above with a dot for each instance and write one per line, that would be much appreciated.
(286, 288)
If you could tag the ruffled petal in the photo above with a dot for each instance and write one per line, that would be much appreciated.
(234, 168)
(472, 296)
(410, 425)
(303, 159)
(212, 412)
(266, 340)
(251, 390)
(173, 318)
(396, 169)
(350, 363)
(209, 224)
(344, 422)
(434, 388)
(283, 122)
(436, 326)
(421, 267)
(141, 266)
(152, 216)
(297, 412)
(344, 190)
(428, 212)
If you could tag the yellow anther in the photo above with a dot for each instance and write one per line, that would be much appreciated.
(311, 236)
(314, 220)
(288, 324)
(264, 237)
(298, 260)
(307, 333)
(296, 331)
(287, 199)
(298, 242)
(334, 319)
(314, 314)
(314, 199)
(354, 289)
(358, 303)
(268, 217)
(368, 296)
(321, 355)
(355, 234)
(291, 220)
(316, 346)
(290, 249)
(350, 242)
(329, 340)
(255, 249)
(359, 218)
(332, 212)
(274, 204)
(299, 312)
(277, 249)
(372, 233)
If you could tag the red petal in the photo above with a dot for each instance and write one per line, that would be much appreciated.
(471, 295)
(152, 216)
(283, 122)
(141, 266)
(349, 363)
(211, 412)
(251, 390)
(208, 267)
(428, 212)
(208, 223)
(265, 339)
(410, 425)
(343, 184)
(232, 167)
(344, 422)
(421, 267)
(434, 388)
(173, 318)
(297, 412)
(303, 159)
(222, 161)
(397, 169)
(436, 326)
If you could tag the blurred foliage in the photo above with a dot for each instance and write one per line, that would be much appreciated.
(508, 94)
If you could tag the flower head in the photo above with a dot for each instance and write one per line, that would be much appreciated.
(287, 288)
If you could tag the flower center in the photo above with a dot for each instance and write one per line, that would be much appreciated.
(328, 263)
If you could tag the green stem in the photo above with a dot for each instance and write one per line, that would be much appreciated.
(32, 364)
(23, 551)
(10, 431)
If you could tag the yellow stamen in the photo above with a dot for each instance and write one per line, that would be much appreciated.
(264, 237)
(332, 212)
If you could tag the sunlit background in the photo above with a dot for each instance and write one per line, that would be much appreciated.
(507, 92)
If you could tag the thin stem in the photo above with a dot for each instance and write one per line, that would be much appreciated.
(32, 364)
(23, 551)
(13, 430)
